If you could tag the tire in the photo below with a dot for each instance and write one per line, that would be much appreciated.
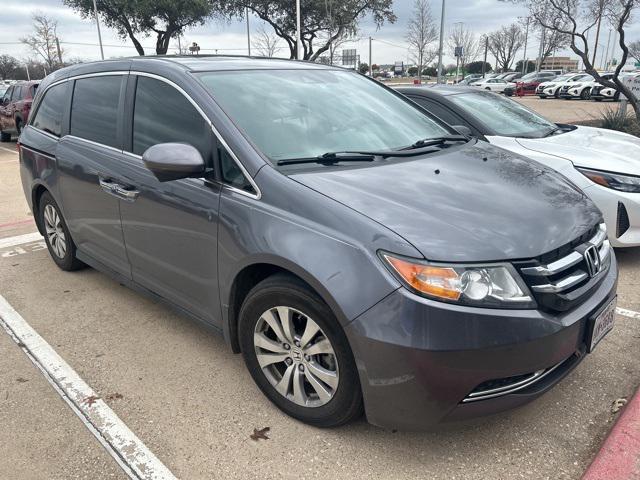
(597, 99)
(57, 236)
(18, 126)
(328, 405)
(488, 88)
(5, 137)
(542, 97)
(556, 94)
(585, 94)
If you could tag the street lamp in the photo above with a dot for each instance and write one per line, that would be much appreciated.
(441, 43)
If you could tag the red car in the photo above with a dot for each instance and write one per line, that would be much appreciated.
(14, 108)
(529, 83)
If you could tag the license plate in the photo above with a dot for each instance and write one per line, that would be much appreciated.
(602, 324)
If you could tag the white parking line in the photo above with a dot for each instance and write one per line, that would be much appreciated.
(137, 461)
(8, 150)
(20, 239)
(628, 313)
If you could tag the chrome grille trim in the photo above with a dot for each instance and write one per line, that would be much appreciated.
(570, 260)
(506, 390)
(563, 284)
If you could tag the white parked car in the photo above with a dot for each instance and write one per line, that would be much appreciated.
(553, 87)
(493, 84)
(583, 88)
(605, 164)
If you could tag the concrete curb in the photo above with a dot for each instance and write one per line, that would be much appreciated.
(619, 457)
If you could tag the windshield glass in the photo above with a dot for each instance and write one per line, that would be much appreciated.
(562, 78)
(503, 116)
(305, 113)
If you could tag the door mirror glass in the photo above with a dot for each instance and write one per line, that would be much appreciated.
(172, 161)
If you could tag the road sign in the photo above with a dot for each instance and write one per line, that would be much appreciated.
(459, 51)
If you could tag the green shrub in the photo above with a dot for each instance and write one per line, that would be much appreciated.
(613, 120)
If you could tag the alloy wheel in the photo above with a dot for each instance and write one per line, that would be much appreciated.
(296, 356)
(54, 231)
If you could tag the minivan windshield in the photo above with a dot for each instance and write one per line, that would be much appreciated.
(503, 116)
(290, 114)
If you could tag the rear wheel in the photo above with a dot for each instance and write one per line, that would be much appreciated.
(5, 137)
(556, 94)
(57, 236)
(18, 126)
(298, 354)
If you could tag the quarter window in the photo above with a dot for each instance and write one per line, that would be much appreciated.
(49, 115)
(162, 114)
(94, 110)
(231, 172)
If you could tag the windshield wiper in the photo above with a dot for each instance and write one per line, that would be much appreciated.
(331, 158)
(429, 142)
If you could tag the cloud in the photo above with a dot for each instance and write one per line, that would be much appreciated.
(388, 45)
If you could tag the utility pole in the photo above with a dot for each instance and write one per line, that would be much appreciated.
(248, 34)
(95, 11)
(370, 60)
(298, 29)
(441, 43)
(60, 50)
(179, 46)
(541, 51)
(524, 59)
(595, 46)
(486, 50)
(26, 67)
(606, 56)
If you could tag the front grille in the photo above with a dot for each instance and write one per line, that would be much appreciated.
(562, 279)
(623, 220)
(564, 89)
(596, 90)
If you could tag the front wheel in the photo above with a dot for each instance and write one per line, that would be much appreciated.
(584, 94)
(5, 137)
(57, 236)
(297, 353)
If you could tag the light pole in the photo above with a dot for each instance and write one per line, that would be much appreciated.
(441, 43)
(524, 59)
(248, 34)
(95, 11)
(298, 29)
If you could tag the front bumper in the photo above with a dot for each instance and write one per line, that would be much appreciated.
(621, 212)
(419, 359)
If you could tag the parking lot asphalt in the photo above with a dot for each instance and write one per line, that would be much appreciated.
(568, 111)
(194, 405)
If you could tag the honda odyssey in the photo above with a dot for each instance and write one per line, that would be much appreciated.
(360, 254)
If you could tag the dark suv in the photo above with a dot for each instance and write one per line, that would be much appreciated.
(360, 253)
(14, 108)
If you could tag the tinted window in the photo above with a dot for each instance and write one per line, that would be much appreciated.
(7, 96)
(440, 111)
(162, 114)
(94, 111)
(49, 115)
(231, 172)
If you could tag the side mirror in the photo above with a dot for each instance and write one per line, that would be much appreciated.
(172, 161)
(463, 130)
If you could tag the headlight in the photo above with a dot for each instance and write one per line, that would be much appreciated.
(577, 85)
(491, 285)
(616, 181)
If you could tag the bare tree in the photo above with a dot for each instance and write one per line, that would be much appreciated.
(552, 41)
(421, 34)
(43, 40)
(266, 43)
(8, 66)
(505, 43)
(462, 37)
(576, 18)
(634, 50)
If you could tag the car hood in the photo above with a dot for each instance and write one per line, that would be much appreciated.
(456, 206)
(590, 147)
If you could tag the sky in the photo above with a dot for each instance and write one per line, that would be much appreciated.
(389, 44)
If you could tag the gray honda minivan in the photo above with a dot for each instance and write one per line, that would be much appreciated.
(360, 254)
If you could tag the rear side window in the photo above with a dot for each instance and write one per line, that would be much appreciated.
(48, 118)
(94, 110)
(162, 114)
(17, 94)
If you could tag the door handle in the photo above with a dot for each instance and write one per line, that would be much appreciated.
(107, 184)
(126, 193)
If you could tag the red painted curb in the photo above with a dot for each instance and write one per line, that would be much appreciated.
(19, 222)
(619, 457)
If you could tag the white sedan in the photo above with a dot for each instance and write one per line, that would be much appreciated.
(553, 88)
(492, 84)
(605, 164)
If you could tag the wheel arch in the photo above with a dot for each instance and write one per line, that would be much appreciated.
(252, 273)
(36, 194)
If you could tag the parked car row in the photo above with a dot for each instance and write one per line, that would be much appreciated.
(365, 250)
